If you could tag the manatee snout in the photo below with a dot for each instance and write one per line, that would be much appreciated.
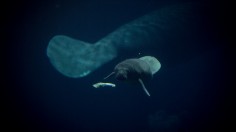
(121, 75)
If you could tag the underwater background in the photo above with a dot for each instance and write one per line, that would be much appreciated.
(192, 92)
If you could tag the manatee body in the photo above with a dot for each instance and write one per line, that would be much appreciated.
(132, 70)
(136, 70)
(76, 58)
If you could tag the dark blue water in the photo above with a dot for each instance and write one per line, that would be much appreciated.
(191, 92)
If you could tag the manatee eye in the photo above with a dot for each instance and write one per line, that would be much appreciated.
(121, 75)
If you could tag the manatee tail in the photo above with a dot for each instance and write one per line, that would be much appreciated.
(75, 58)
(154, 64)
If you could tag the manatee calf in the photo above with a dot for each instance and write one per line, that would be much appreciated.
(136, 70)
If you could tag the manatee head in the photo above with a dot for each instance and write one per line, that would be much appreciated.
(121, 74)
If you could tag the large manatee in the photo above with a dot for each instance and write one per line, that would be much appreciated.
(162, 30)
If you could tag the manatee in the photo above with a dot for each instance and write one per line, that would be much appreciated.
(153, 31)
(136, 70)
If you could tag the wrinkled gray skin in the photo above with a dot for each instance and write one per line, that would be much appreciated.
(171, 33)
(175, 34)
(132, 70)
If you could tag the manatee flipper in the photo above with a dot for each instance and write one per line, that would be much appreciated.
(144, 88)
(109, 75)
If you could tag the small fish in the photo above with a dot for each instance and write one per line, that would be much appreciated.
(102, 84)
